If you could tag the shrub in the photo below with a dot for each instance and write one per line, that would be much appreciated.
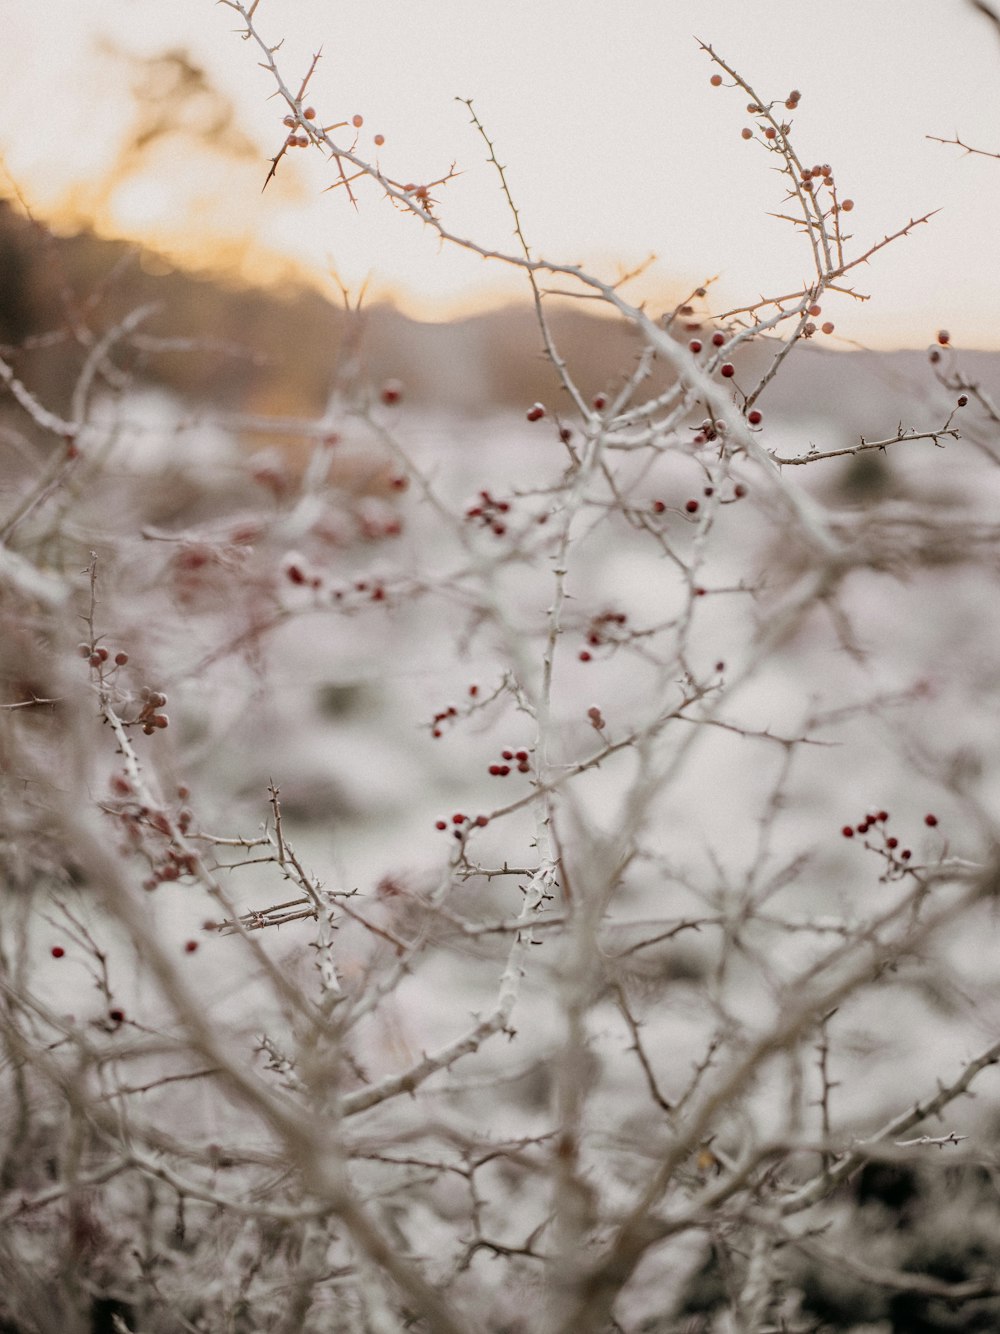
(605, 841)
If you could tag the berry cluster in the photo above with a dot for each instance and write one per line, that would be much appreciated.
(149, 715)
(520, 758)
(487, 511)
(602, 627)
(708, 431)
(461, 824)
(443, 716)
(896, 856)
(97, 655)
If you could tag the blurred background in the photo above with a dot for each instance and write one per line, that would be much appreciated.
(147, 125)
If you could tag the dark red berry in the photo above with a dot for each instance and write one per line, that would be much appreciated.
(718, 339)
(694, 345)
(190, 946)
(930, 820)
(727, 369)
(440, 824)
(847, 831)
(755, 417)
(116, 1016)
(57, 951)
(892, 842)
(584, 656)
(536, 412)
(692, 507)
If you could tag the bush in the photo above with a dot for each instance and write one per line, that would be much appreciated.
(606, 855)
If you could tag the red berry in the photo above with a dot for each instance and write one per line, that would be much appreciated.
(600, 402)
(658, 506)
(815, 310)
(392, 392)
(944, 337)
(718, 339)
(379, 140)
(930, 821)
(694, 345)
(716, 80)
(905, 855)
(739, 490)
(882, 817)
(116, 1016)
(692, 507)
(440, 824)
(57, 951)
(121, 659)
(755, 417)
(584, 656)
(458, 818)
(847, 205)
(473, 691)
(190, 946)
(309, 113)
(481, 821)
(357, 121)
(847, 831)
(746, 132)
(892, 842)
(770, 132)
(828, 327)
(728, 370)
(536, 412)
(507, 754)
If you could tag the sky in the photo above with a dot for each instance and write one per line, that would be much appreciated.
(617, 146)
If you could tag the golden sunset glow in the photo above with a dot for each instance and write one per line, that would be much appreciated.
(152, 122)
